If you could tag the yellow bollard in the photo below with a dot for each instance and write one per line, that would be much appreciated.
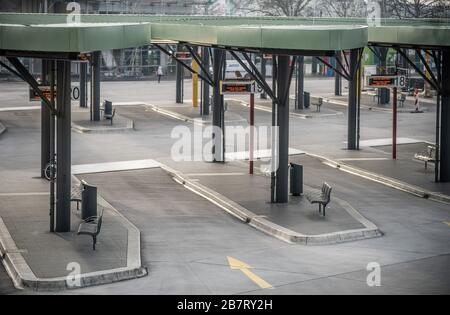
(196, 68)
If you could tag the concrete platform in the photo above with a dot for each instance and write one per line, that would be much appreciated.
(39, 260)
(266, 105)
(246, 197)
(368, 103)
(81, 123)
(405, 168)
(187, 113)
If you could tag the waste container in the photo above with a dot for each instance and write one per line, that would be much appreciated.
(296, 179)
(306, 99)
(108, 108)
(89, 201)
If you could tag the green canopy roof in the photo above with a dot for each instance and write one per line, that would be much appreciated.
(51, 33)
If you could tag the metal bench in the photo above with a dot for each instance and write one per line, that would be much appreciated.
(375, 96)
(92, 227)
(76, 194)
(321, 197)
(319, 103)
(108, 111)
(427, 157)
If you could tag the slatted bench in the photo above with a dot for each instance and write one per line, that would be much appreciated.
(319, 103)
(76, 194)
(428, 157)
(320, 197)
(91, 226)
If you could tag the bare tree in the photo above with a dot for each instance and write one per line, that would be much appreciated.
(272, 7)
(417, 8)
(343, 8)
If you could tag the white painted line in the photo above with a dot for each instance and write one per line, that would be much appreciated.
(215, 174)
(363, 159)
(114, 167)
(259, 154)
(129, 104)
(24, 194)
(387, 141)
(17, 109)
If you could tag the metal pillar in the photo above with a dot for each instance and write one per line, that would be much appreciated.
(353, 101)
(96, 63)
(274, 145)
(205, 84)
(45, 121)
(179, 80)
(63, 126)
(300, 83)
(394, 124)
(445, 118)
(337, 76)
(314, 66)
(83, 83)
(263, 95)
(52, 174)
(282, 181)
(218, 108)
(196, 67)
(252, 133)
(383, 93)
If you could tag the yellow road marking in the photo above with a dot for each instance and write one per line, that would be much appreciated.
(245, 268)
(448, 223)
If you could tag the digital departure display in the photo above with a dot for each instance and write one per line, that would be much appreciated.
(238, 87)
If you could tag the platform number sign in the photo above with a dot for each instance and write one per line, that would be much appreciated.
(402, 82)
(34, 97)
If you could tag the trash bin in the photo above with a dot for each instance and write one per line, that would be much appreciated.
(108, 108)
(89, 201)
(306, 99)
(296, 179)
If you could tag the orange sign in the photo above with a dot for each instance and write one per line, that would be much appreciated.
(237, 87)
(34, 97)
(382, 81)
(183, 55)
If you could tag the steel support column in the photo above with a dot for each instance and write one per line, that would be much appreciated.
(353, 101)
(300, 82)
(83, 83)
(274, 144)
(314, 66)
(445, 118)
(283, 83)
(63, 126)
(218, 108)
(384, 94)
(337, 76)
(205, 84)
(45, 121)
(179, 80)
(96, 64)
(263, 95)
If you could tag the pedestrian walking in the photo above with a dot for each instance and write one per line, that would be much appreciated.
(416, 99)
(160, 73)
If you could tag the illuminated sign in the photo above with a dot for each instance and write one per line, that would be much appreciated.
(237, 87)
(34, 97)
(45, 89)
(183, 55)
(380, 81)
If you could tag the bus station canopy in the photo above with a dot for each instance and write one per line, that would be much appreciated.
(51, 33)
